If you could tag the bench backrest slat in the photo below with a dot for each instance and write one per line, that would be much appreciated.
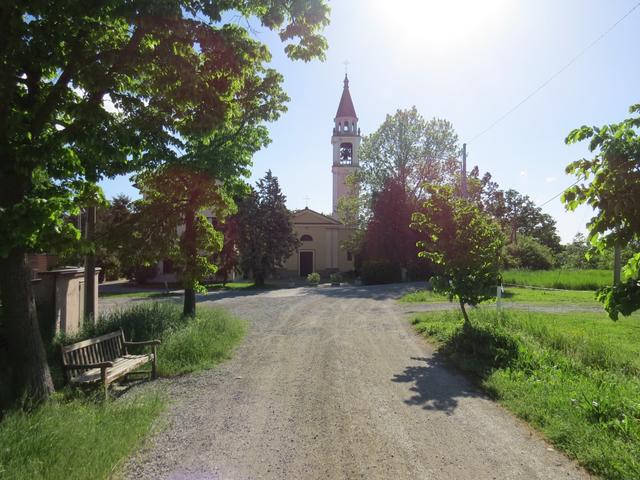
(94, 350)
(91, 341)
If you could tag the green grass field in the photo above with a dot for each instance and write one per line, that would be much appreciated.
(562, 279)
(518, 295)
(572, 376)
(74, 440)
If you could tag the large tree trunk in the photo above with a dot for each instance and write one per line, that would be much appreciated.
(90, 268)
(27, 357)
(189, 252)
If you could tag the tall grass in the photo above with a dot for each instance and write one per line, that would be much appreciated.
(574, 377)
(562, 279)
(187, 344)
(201, 344)
(74, 440)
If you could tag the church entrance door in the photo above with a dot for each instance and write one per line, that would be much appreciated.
(306, 263)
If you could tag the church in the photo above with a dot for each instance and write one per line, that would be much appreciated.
(321, 235)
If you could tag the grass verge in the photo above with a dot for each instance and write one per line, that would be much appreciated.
(518, 295)
(74, 440)
(572, 376)
(188, 345)
(212, 287)
(560, 278)
(138, 294)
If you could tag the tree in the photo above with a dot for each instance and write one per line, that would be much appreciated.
(406, 149)
(227, 259)
(410, 150)
(266, 237)
(388, 235)
(462, 242)
(92, 90)
(519, 215)
(610, 184)
(528, 253)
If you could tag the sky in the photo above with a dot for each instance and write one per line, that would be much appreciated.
(469, 62)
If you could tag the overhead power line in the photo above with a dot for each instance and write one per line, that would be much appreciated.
(557, 195)
(556, 74)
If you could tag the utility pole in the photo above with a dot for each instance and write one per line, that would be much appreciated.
(463, 177)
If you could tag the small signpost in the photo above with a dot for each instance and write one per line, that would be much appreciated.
(499, 292)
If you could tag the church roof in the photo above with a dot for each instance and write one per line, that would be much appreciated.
(307, 216)
(346, 108)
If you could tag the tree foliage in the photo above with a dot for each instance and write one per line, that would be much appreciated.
(519, 215)
(528, 253)
(94, 89)
(462, 242)
(388, 236)
(266, 237)
(409, 150)
(610, 184)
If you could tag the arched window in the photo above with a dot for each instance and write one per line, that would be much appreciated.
(346, 153)
(306, 238)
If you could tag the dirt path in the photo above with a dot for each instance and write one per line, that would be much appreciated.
(333, 384)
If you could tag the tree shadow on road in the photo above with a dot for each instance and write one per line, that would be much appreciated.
(436, 386)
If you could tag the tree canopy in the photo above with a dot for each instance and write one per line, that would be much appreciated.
(92, 90)
(410, 150)
(266, 237)
(462, 242)
(610, 184)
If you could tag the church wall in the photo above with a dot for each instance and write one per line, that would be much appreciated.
(328, 256)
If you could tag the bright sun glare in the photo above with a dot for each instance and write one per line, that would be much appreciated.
(440, 25)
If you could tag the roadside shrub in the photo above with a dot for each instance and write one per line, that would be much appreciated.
(142, 321)
(187, 344)
(419, 271)
(481, 347)
(377, 272)
(313, 278)
(528, 253)
(204, 342)
(143, 275)
(335, 277)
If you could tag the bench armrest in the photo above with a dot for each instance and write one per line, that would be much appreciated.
(148, 342)
(89, 365)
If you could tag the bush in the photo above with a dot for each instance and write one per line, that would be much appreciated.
(528, 253)
(202, 343)
(187, 344)
(376, 272)
(142, 275)
(335, 278)
(313, 278)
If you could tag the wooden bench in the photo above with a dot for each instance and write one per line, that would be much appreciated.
(105, 359)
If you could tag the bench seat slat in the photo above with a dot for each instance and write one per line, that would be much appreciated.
(121, 366)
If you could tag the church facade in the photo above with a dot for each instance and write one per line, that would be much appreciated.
(321, 235)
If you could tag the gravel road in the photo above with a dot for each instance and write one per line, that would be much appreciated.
(332, 383)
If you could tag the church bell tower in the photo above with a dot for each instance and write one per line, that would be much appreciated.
(346, 146)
